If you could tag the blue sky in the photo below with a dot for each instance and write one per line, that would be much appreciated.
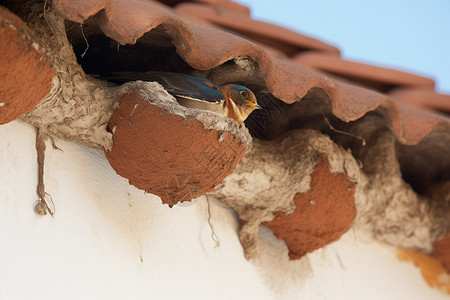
(409, 35)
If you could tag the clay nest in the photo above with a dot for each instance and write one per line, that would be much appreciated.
(309, 190)
(397, 192)
(165, 149)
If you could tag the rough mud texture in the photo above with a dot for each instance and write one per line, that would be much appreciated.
(439, 199)
(270, 176)
(387, 206)
(78, 107)
(441, 251)
(25, 73)
(330, 200)
(167, 152)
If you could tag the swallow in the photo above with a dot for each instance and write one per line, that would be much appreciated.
(231, 100)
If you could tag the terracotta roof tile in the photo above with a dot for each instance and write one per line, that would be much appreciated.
(291, 82)
(423, 98)
(208, 49)
(222, 4)
(277, 37)
(191, 20)
(202, 22)
(115, 17)
(411, 125)
(381, 79)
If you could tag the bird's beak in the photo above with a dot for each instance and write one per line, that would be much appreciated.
(254, 105)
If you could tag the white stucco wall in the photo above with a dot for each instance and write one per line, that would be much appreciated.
(109, 240)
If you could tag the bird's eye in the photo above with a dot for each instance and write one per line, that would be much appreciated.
(244, 94)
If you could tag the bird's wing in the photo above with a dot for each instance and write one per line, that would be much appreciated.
(190, 87)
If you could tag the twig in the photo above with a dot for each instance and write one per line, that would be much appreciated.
(85, 39)
(45, 17)
(363, 141)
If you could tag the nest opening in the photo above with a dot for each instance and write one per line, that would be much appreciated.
(426, 163)
(100, 55)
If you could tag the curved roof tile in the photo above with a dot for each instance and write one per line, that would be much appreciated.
(369, 75)
(278, 37)
(223, 4)
(207, 48)
(423, 98)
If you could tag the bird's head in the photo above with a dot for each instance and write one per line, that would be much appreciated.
(242, 103)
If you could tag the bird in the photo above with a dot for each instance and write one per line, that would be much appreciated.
(231, 100)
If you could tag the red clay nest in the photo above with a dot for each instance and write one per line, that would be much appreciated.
(174, 152)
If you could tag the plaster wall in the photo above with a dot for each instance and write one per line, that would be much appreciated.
(109, 240)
